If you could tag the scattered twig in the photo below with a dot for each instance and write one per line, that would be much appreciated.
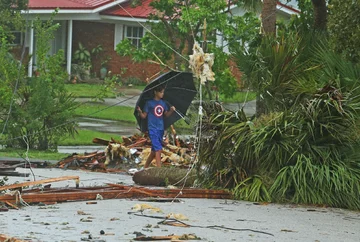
(198, 226)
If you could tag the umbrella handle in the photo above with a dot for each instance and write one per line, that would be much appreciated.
(186, 119)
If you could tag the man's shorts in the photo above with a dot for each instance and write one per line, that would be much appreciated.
(156, 137)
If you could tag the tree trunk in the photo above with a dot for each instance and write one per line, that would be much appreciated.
(268, 21)
(320, 14)
(268, 16)
(164, 176)
(260, 106)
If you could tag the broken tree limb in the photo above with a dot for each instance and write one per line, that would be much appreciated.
(169, 237)
(163, 176)
(100, 141)
(25, 184)
(178, 223)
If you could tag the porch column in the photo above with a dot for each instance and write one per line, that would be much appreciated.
(69, 47)
(31, 50)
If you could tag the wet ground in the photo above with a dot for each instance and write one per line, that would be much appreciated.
(128, 129)
(108, 126)
(210, 219)
(119, 128)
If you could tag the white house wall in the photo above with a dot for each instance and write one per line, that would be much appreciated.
(282, 13)
(236, 11)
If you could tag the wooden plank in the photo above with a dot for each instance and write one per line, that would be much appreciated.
(24, 184)
(186, 192)
(91, 195)
(12, 205)
(141, 191)
(69, 196)
(5, 238)
(13, 173)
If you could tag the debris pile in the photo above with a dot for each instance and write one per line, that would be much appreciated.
(19, 193)
(8, 167)
(133, 152)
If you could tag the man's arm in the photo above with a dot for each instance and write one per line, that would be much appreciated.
(142, 114)
(168, 113)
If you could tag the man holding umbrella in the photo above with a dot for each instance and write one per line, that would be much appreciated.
(155, 110)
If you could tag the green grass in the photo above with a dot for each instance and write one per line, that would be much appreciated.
(85, 137)
(86, 90)
(239, 97)
(33, 154)
(100, 111)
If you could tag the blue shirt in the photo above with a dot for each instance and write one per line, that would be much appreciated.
(155, 110)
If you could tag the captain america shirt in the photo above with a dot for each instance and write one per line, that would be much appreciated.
(155, 110)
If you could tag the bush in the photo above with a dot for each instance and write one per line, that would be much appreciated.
(304, 150)
(43, 111)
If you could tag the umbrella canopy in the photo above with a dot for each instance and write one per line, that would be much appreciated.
(179, 92)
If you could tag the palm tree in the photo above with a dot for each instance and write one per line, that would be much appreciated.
(320, 14)
(268, 16)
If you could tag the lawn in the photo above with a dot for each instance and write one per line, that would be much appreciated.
(92, 91)
(32, 154)
(86, 90)
(85, 137)
(101, 111)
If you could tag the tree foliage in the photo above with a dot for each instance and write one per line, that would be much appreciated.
(42, 109)
(344, 28)
(304, 149)
(10, 18)
(178, 24)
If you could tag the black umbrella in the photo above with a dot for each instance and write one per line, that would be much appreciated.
(179, 92)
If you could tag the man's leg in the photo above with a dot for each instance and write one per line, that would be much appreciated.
(158, 158)
(149, 159)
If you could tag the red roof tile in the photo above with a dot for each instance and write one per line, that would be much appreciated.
(67, 4)
(140, 11)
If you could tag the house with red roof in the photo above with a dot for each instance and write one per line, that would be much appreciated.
(99, 22)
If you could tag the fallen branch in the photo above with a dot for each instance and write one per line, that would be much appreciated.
(167, 221)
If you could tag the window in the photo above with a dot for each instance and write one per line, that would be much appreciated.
(18, 38)
(134, 34)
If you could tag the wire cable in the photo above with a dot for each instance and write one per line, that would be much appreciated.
(89, 115)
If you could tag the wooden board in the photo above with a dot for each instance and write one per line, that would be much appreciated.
(25, 184)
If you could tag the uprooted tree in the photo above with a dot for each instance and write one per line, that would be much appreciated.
(305, 148)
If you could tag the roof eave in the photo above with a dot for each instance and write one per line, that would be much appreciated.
(73, 10)
(124, 18)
